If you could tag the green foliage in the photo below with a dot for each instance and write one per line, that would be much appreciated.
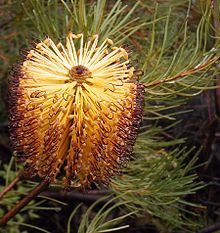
(100, 222)
(29, 212)
(8, 201)
(174, 44)
(77, 17)
(155, 183)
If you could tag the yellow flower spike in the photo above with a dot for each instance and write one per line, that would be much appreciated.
(75, 108)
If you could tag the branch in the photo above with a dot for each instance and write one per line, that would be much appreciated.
(182, 74)
(91, 196)
(23, 202)
(11, 185)
(211, 228)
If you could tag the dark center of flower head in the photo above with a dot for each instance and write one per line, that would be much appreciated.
(79, 70)
(79, 73)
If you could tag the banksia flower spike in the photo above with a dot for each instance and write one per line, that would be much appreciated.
(75, 107)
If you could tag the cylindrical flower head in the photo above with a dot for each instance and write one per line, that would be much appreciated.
(75, 108)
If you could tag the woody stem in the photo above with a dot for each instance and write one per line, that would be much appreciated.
(23, 202)
(11, 185)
